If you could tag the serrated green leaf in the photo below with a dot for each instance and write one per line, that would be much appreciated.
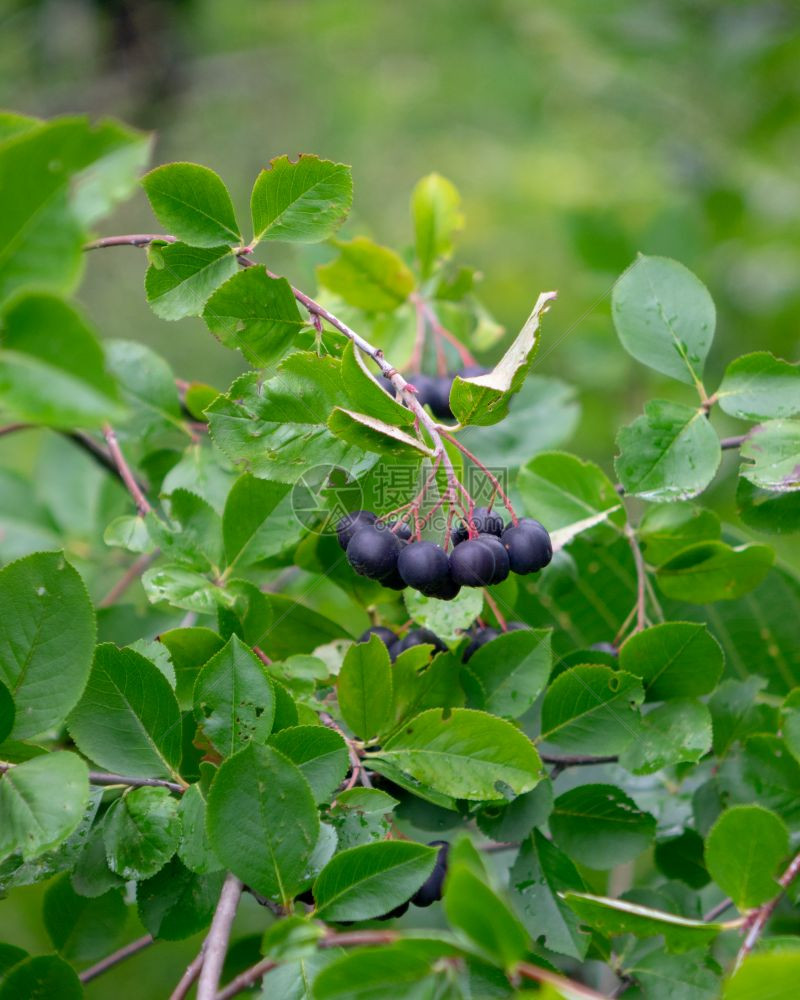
(128, 719)
(249, 527)
(47, 634)
(300, 202)
(186, 277)
(41, 976)
(592, 709)
(772, 456)
(41, 802)
(484, 399)
(509, 673)
(670, 453)
(255, 314)
(464, 754)
(262, 820)
(184, 588)
(82, 929)
(759, 386)
(233, 698)
(370, 434)
(52, 369)
(319, 753)
(713, 571)
(364, 688)
(600, 826)
(365, 393)
(617, 916)
(367, 881)
(664, 317)
(141, 832)
(367, 275)
(744, 850)
(674, 660)
(176, 903)
(192, 203)
(148, 388)
(437, 216)
(447, 619)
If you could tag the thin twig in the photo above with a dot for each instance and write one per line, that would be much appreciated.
(641, 579)
(103, 778)
(133, 572)
(495, 610)
(218, 935)
(134, 240)
(142, 504)
(758, 919)
(733, 442)
(489, 475)
(188, 978)
(358, 768)
(717, 911)
(578, 760)
(539, 975)
(115, 958)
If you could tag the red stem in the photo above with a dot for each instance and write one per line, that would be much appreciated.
(492, 478)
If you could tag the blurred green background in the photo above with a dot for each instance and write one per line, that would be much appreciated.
(578, 133)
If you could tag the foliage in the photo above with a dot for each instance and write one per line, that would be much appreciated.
(234, 731)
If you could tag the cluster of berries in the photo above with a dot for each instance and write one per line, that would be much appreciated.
(478, 635)
(428, 893)
(384, 551)
(434, 390)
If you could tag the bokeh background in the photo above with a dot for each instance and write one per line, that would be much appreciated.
(578, 133)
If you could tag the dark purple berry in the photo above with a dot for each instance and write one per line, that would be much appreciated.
(307, 896)
(439, 400)
(348, 525)
(418, 636)
(386, 635)
(373, 552)
(479, 638)
(423, 565)
(529, 548)
(445, 590)
(502, 566)
(472, 564)
(425, 386)
(487, 522)
(431, 889)
(399, 529)
(398, 911)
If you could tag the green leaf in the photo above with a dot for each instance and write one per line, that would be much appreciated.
(447, 619)
(52, 370)
(559, 489)
(478, 913)
(761, 770)
(592, 709)
(735, 712)
(464, 754)
(299, 629)
(768, 510)
(6, 712)
(436, 212)
(301, 202)
(233, 698)
(370, 434)
(744, 850)
(63, 174)
(292, 980)
(319, 753)
(279, 427)
(251, 528)
(183, 588)
(42, 801)
(508, 674)
(141, 832)
(373, 973)
(600, 826)
(365, 393)
(91, 876)
(681, 858)
(674, 660)
(184, 278)
(364, 688)
(47, 634)
(775, 971)
(673, 733)
(538, 877)
(771, 456)
(670, 453)
(664, 317)
(128, 719)
(10, 954)
(668, 528)
(194, 849)
(668, 977)
(515, 820)
(367, 275)
(189, 649)
(713, 571)
(255, 314)
(759, 386)
(262, 820)
(40, 977)
(176, 903)
(613, 917)
(192, 203)
(544, 415)
(82, 929)
(420, 682)
(484, 399)
(148, 388)
(366, 881)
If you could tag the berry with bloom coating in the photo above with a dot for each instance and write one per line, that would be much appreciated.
(472, 564)
(348, 525)
(373, 552)
(423, 565)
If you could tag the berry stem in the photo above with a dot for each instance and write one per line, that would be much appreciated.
(442, 332)
(114, 959)
(142, 504)
(495, 610)
(490, 476)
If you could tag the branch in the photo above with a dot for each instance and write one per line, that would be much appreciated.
(358, 769)
(569, 987)
(133, 572)
(103, 778)
(217, 941)
(125, 473)
(641, 579)
(733, 442)
(758, 918)
(114, 959)
(578, 760)
(186, 981)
